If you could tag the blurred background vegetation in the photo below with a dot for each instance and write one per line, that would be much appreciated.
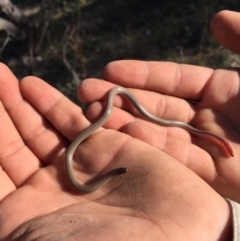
(69, 41)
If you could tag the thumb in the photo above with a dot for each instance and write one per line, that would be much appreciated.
(225, 27)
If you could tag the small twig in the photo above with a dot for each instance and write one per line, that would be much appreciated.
(44, 31)
(7, 39)
(69, 67)
(67, 41)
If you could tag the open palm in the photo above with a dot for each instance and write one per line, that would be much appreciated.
(37, 201)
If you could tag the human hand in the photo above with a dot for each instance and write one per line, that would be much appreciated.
(164, 89)
(158, 199)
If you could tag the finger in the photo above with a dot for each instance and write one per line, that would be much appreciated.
(91, 90)
(166, 107)
(17, 161)
(63, 114)
(37, 133)
(225, 27)
(180, 80)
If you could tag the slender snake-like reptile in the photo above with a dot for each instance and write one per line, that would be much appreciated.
(92, 128)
